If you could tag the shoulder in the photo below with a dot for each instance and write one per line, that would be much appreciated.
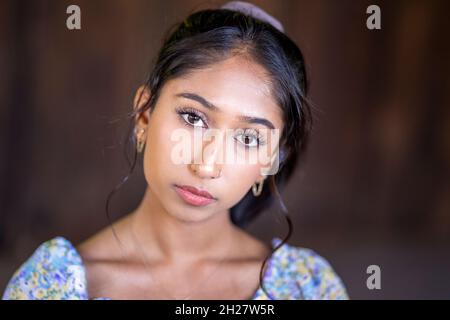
(307, 274)
(53, 272)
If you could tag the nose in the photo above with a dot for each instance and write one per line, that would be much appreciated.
(206, 171)
(208, 166)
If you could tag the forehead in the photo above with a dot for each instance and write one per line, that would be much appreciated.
(236, 85)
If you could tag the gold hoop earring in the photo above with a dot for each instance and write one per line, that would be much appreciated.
(140, 142)
(257, 188)
(140, 145)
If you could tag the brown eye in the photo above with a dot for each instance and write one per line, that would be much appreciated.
(248, 140)
(193, 119)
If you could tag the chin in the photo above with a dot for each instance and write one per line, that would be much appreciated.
(191, 215)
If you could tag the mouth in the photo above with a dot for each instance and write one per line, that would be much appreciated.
(193, 196)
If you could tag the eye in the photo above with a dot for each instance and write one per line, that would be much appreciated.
(192, 117)
(249, 138)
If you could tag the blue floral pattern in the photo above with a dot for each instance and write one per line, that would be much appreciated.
(55, 271)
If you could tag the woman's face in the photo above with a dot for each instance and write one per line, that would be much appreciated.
(175, 155)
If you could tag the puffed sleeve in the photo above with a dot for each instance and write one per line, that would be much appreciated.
(316, 278)
(53, 272)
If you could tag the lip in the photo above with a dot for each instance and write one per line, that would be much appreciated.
(193, 196)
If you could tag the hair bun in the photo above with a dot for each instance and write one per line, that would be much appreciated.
(254, 11)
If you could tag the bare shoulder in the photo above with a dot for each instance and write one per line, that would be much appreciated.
(102, 257)
(103, 245)
(106, 265)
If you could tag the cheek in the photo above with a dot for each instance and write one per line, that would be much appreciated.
(240, 178)
(245, 173)
(157, 158)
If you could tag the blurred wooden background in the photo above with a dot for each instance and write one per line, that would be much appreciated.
(373, 189)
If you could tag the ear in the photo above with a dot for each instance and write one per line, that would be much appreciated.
(141, 98)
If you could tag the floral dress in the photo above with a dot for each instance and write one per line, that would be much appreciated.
(55, 271)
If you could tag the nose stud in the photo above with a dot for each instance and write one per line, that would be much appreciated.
(218, 175)
(205, 173)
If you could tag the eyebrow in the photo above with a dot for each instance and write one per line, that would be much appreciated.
(212, 107)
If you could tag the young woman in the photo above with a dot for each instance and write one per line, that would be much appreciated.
(228, 68)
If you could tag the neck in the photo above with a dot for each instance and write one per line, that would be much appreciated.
(168, 237)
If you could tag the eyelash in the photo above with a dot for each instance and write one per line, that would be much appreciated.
(191, 112)
(255, 134)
